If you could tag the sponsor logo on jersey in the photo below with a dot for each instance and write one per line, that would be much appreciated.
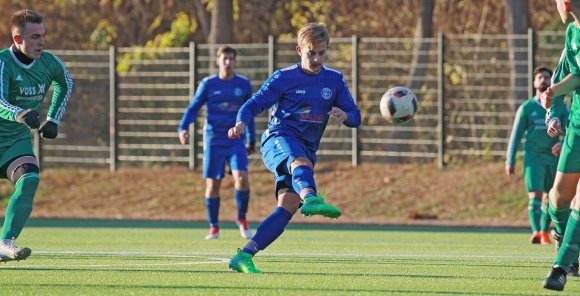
(19, 78)
(326, 93)
(300, 91)
(304, 114)
(225, 106)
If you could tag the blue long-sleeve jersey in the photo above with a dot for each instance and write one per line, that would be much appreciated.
(301, 103)
(223, 98)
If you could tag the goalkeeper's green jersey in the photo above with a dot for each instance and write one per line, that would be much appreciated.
(25, 86)
(568, 64)
(530, 122)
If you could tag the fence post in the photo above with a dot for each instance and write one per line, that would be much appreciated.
(192, 126)
(531, 65)
(112, 109)
(440, 99)
(354, 75)
(271, 54)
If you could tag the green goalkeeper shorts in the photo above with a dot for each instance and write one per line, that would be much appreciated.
(570, 156)
(14, 149)
(539, 171)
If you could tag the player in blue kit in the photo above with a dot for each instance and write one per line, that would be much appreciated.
(223, 94)
(303, 97)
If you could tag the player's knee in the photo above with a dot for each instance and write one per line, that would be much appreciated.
(23, 166)
(300, 161)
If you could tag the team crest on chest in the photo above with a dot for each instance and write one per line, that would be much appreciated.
(326, 93)
(238, 92)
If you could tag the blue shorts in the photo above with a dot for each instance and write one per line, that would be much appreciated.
(278, 152)
(216, 156)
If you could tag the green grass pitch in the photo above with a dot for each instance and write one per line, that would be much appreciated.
(164, 258)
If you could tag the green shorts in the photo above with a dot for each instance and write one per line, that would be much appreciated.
(539, 171)
(570, 155)
(11, 150)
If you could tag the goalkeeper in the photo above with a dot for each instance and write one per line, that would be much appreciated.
(26, 73)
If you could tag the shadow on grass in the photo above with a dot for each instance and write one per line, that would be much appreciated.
(285, 290)
(105, 223)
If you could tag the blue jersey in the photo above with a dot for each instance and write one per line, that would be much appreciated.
(301, 103)
(223, 98)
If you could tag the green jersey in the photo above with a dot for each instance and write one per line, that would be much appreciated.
(25, 86)
(568, 64)
(530, 121)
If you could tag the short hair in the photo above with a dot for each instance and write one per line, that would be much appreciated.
(542, 69)
(226, 49)
(313, 33)
(23, 17)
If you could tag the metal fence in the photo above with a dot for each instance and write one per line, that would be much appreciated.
(128, 102)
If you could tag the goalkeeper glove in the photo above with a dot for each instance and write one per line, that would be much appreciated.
(48, 130)
(28, 117)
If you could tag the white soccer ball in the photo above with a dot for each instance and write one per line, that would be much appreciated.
(399, 104)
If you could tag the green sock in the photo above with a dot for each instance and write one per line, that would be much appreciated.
(568, 253)
(20, 205)
(535, 213)
(545, 218)
(559, 218)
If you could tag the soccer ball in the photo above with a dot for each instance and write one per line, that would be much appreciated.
(399, 104)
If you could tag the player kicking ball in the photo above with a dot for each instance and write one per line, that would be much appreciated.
(303, 96)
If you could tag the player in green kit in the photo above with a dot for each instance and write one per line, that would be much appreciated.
(540, 155)
(26, 73)
(567, 223)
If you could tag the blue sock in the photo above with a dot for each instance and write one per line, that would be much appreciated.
(242, 199)
(268, 231)
(303, 177)
(212, 206)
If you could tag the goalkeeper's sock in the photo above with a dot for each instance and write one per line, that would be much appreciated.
(268, 231)
(212, 206)
(545, 217)
(20, 206)
(568, 253)
(535, 213)
(242, 199)
(303, 178)
(559, 218)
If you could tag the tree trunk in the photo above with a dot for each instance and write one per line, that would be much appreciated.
(222, 22)
(417, 71)
(517, 23)
(423, 30)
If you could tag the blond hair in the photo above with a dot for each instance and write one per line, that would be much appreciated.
(313, 33)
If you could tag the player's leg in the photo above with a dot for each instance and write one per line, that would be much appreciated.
(550, 169)
(559, 200)
(239, 165)
(270, 229)
(20, 166)
(535, 214)
(213, 171)
(212, 206)
(545, 221)
(563, 191)
(303, 182)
